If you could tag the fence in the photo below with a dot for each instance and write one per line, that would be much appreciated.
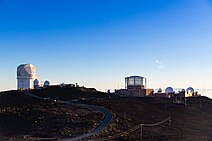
(125, 133)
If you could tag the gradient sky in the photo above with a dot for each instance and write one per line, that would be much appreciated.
(97, 43)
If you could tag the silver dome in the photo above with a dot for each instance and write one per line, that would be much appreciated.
(190, 90)
(46, 83)
(36, 82)
(169, 90)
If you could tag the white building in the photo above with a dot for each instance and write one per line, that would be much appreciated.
(26, 74)
(36, 84)
(135, 82)
(135, 86)
(189, 92)
(46, 84)
(169, 90)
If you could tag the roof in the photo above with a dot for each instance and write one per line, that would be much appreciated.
(26, 71)
(134, 76)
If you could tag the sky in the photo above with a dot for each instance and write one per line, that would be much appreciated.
(97, 43)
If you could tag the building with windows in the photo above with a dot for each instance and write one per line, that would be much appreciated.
(135, 86)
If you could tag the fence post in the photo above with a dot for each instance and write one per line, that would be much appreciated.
(169, 121)
(185, 103)
(141, 132)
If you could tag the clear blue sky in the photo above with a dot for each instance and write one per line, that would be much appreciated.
(98, 42)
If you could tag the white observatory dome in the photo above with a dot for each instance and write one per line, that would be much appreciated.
(169, 90)
(26, 71)
(190, 90)
(36, 82)
(46, 83)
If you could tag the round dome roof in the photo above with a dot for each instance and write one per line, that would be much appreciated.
(169, 90)
(183, 90)
(135, 76)
(190, 89)
(36, 82)
(26, 71)
(46, 83)
(159, 90)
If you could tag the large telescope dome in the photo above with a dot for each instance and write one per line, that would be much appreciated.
(26, 71)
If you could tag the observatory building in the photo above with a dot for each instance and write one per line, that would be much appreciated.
(169, 90)
(26, 78)
(46, 84)
(170, 93)
(190, 92)
(26, 74)
(36, 84)
(135, 86)
(135, 82)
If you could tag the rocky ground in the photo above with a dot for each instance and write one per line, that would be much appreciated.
(25, 118)
(190, 123)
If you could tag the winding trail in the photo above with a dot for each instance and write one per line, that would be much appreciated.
(105, 121)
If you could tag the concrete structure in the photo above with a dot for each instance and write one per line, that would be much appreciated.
(25, 76)
(135, 86)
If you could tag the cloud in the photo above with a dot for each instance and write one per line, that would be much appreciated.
(160, 65)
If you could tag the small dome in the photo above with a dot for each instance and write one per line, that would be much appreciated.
(183, 90)
(169, 90)
(159, 90)
(36, 82)
(190, 90)
(46, 83)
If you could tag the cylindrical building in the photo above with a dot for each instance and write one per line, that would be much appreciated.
(135, 82)
(25, 76)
